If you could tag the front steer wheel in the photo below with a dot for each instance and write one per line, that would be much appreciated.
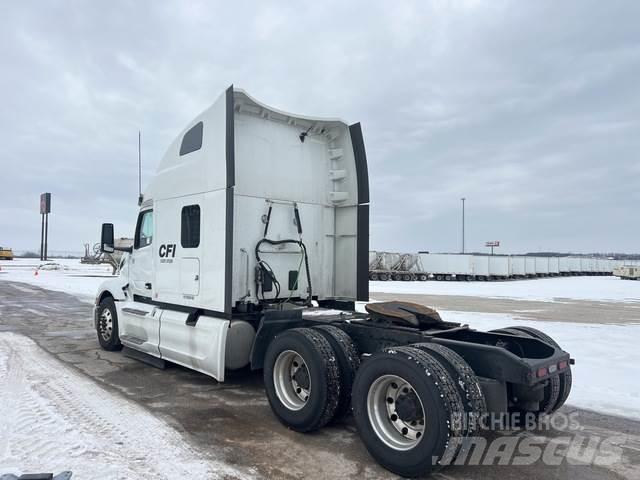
(405, 405)
(107, 325)
(302, 379)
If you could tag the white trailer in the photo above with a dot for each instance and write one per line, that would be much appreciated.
(250, 236)
(554, 266)
(627, 272)
(542, 266)
(530, 266)
(448, 266)
(481, 267)
(575, 265)
(498, 267)
(517, 267)
(587, 265)
(564, 266)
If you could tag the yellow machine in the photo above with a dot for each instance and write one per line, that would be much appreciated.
(6, 254)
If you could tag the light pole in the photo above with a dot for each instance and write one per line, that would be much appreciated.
(463, 199)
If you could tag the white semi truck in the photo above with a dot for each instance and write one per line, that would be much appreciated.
(251, 247)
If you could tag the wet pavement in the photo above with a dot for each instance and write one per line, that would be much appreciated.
(233, 420)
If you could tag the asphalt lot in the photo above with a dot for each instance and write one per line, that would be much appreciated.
(233, 420)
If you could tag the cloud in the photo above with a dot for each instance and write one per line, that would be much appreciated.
(529, 110)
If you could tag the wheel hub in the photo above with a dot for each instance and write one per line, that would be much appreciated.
(301, 377)
(106, 324)
(408, 407)
(396, 412)
(291, 380)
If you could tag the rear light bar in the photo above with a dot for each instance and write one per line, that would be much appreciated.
(544, 371)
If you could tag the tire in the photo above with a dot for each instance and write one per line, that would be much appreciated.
(552, 389)
(348, 363)
(107, 325)
(465, 380)
(428, 389)
(406, 277)
(439, 278)
(373, 277)
(566, 378)
(307, 401)
(422, 277)
(383, 277)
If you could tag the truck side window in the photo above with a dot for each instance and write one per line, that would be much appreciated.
(190, 230)
(144, 229)
(192, 140)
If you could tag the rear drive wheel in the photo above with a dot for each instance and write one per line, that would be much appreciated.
(107, 325)
(465, 380)
(302, 379)
(405, 406)
(348, 363)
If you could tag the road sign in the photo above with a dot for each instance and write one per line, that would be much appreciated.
(45, 203)
(45, 209)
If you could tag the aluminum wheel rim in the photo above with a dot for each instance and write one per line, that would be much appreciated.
(288, 366)
(106, 324)
(381, 409)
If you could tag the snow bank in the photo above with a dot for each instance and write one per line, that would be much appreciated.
(605, 376)
(607, 289)
(55, 419)
(69, 276)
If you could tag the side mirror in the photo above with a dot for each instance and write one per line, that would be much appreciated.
(106, 238)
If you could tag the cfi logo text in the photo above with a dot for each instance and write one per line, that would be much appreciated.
(167, 252)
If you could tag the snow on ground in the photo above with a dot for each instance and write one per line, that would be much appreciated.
(605, 376)
(608, 289)
(606, 355)
(73, 277)
(55, 419)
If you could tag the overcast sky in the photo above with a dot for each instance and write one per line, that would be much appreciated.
(530, 110)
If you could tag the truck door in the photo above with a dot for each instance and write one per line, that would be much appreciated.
(141, 265)
(139, 321)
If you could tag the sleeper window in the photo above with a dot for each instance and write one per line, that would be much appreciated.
(190, 231)
(192, 140)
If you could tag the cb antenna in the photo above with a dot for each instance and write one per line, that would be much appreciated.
(139, 168)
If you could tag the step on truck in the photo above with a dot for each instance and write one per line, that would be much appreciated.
(251, 249)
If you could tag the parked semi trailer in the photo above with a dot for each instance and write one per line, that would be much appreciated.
(385, 266)
(627, 272)
(231, 267)
(481, 267)
(542, 266)
(530, 266)
(498, 267)
(564, 268)
(445, 266)
(554, 266)
(517, 267)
